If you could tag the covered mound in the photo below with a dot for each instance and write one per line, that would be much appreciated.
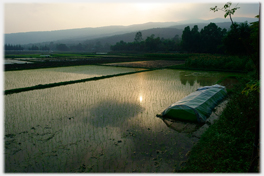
(197, 106)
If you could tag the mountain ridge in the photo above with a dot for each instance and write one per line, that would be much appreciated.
(99, 32)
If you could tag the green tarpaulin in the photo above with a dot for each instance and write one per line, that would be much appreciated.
(197, 106)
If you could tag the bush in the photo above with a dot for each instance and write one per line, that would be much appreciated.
(228, 144)
(217, 62)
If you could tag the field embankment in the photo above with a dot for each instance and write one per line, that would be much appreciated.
(61, 60)
(231, 145)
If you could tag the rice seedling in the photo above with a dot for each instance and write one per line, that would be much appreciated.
(28, 78)
(78, 122)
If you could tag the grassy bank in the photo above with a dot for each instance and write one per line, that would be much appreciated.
(228, 145)
(184, 67)
(209, 62)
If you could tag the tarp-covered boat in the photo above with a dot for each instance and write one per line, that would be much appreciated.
(197, 106)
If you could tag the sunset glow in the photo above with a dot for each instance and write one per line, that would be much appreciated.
(148, 6)
(28, 17)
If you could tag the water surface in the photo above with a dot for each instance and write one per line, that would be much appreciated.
(107, 125)
(28, 78)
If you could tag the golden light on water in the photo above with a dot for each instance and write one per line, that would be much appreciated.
(140, 98)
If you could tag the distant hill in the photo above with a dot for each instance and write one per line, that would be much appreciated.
(111, 32)
(77, 34)
(165, 33)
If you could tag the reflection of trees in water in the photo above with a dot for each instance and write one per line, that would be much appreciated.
(202, 80)
(183, 81)
(191, 80)
(184, 78)
(206, 81)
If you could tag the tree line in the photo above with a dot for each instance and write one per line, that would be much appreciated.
(20, 48)
(80, 47)
(13, 47)
(150, 44)
(211, 39)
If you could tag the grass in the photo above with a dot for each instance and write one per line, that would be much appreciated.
(229, 76)
(220, 62)
(227, 146)
(169, 56)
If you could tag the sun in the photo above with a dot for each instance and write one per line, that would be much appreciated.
(146, 6)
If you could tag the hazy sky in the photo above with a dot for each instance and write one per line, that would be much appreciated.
(23, 16)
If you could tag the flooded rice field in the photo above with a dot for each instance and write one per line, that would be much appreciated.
(107, 125)
(13, 61)
(27, 78)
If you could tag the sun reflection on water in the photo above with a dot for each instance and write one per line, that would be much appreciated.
(140, 99)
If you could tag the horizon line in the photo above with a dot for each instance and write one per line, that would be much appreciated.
(180, 23)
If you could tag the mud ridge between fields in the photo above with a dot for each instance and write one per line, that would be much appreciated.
(44, 86)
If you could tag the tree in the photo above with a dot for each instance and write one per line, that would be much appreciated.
(34, 47)
(98, 46)
(227, 9)
(176, 40)
(119, 46)
(236, 42)
(191, 39)
(254, 36)
(45, 48)
(62, 47)
(186, 39)
(254, 42)
(152, 43)
(211, 38)
(52, 46)
(13, 47)
(228, 12)
(78, 47)
(138, 37)
(196, 39)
